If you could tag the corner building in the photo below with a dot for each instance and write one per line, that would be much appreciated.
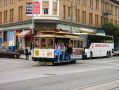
(13, 21)
(68, 15)
(78, 15)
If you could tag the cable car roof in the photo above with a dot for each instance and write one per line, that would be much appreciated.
(55, 34)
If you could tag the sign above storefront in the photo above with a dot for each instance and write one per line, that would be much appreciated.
(36, 8)
(29, 9)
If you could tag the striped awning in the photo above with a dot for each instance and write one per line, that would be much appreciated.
(24, 33)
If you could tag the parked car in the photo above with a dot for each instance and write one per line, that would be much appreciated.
(4, 52)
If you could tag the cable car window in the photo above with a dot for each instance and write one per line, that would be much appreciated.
(78, 44)
(37, 42)
(75, 44)
(50, 43)
(43, 42)
(81, 44)
(72, 43)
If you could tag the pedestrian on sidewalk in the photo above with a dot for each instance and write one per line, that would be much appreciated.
(27, 53)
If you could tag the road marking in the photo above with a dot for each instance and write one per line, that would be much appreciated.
(12, 61)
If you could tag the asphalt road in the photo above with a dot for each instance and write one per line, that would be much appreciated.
(96, 74)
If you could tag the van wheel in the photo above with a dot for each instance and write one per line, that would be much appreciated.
(107, 55)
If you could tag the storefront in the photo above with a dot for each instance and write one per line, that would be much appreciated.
(24, 39)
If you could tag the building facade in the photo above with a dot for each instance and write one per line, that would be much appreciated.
(77, 15)
(68, 15)
(13, 20)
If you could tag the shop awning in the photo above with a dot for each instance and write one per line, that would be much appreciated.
(24, 33)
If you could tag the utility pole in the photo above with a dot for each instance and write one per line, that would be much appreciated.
(32, 46)
(71, 19)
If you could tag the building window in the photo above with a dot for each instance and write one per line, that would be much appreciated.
(20, 13)
(115, 22)
(11, 1)
(78, 15)
(111, 20)
(101, 5)
(5, 2)
(1, 3)
(91, 3)
(115, 11)
(84, 17)
(111, 9)
(64, 11)
(69, 11)
(11, 15)
(76, 12)
(5, 16)
(107, 7)
(0, 17)
(106, 20)
(102, 20)
(97, 4)
(90, 18)
(78, 1)
(84, 3)
(45, 11)
(96, 20)
(45, 7)
(54, 8)
(118, 12)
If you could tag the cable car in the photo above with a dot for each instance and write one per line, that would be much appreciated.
(52, 47)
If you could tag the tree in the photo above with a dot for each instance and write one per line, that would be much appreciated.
(111, 29)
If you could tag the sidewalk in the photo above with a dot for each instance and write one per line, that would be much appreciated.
(24, 57)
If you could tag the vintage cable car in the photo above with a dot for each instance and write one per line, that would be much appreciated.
(52, 47)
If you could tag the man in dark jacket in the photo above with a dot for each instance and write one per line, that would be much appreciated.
(69, 52)
(27, 53)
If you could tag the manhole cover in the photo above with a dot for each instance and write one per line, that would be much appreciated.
(49, 74)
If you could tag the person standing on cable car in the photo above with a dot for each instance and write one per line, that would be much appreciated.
(68, 52)
(58, 53)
